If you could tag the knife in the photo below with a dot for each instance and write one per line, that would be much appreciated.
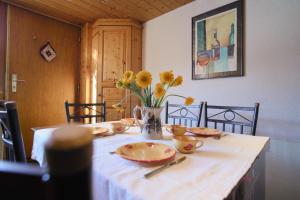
(156, 171)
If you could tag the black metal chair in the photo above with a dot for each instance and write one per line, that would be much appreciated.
(68, 175)
(82, 111)
(184, 115)
(22, 181)
(11, 132)
(235, 116)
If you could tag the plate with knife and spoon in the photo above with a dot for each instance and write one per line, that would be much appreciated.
(150, 153)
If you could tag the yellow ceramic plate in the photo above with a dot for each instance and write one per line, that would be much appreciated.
(99, 131)
(128, 121)
(204, 132)
(146, 152)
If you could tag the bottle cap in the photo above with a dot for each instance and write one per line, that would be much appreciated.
(69, 149)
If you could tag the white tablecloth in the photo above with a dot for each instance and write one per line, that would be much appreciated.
(209, 173)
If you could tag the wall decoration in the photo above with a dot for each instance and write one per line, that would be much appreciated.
(217, 42)
(47, 52)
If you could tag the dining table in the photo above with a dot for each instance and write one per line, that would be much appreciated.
(229, 167)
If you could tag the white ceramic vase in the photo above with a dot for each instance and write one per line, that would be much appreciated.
(151, 125)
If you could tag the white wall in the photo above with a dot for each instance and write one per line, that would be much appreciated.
(272, 65)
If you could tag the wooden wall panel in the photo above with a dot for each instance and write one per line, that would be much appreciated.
(85, 69)
(41, 98)
(2, 47)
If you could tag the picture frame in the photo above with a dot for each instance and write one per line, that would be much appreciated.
(47, 52)
(217, 42)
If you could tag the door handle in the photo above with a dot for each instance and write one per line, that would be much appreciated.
(14, 81)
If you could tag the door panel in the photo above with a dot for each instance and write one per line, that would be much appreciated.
(114, 54)
(113, 93)
(47, 85)
(2, 47)
(114, 58)
(113, 115)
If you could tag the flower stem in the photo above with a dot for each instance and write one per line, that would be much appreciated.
(172, 95)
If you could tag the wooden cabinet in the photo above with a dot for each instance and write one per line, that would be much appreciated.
(116, 46)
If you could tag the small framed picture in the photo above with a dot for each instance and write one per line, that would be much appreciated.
(217, 42)
(47, 52)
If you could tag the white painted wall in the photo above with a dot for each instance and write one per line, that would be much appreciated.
(272, 65)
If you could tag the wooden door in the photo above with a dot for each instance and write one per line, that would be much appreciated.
(2, 47)
(111, 52)
(40, 98)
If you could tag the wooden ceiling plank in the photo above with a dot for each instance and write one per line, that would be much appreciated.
(82, 11)
(131, 9)
(107, 9)
(146, 7)
(159, 5)
(48, 8)
(39, 8)
(183, 2)
(82, 8)
(97, 11)
(61, 7)
(172, 4)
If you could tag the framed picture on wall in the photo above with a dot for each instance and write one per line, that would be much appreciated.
(217, 42)
(47, 52)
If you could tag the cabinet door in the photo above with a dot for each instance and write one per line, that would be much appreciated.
(111, 54)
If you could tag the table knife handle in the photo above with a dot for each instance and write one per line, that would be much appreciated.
(156, 171)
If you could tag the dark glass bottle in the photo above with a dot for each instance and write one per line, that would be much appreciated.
(231, 35)
(70, 163)
(215, 46)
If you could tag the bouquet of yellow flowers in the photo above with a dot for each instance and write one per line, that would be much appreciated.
(140, 85)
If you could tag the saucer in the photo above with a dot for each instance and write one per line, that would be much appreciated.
(204, 132)
(100, 131)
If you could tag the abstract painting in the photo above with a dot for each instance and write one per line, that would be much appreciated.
(217, 42)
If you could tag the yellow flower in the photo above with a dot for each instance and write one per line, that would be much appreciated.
(178, 81)
(159, 91)
(119, 84)
(128, 76)
(143, 79)
(118, 107)
(188, 101)
(166, 77)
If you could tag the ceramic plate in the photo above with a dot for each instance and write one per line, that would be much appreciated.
(99, 131)
(146, 152)
(128, 121)
(205, 132)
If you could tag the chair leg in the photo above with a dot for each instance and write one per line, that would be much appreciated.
(11, 155)
(6, 154)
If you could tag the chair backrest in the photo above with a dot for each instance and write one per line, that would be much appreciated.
(82, 111)
(184, 115)
(11, 133)
(236, 117)
(22, 181)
